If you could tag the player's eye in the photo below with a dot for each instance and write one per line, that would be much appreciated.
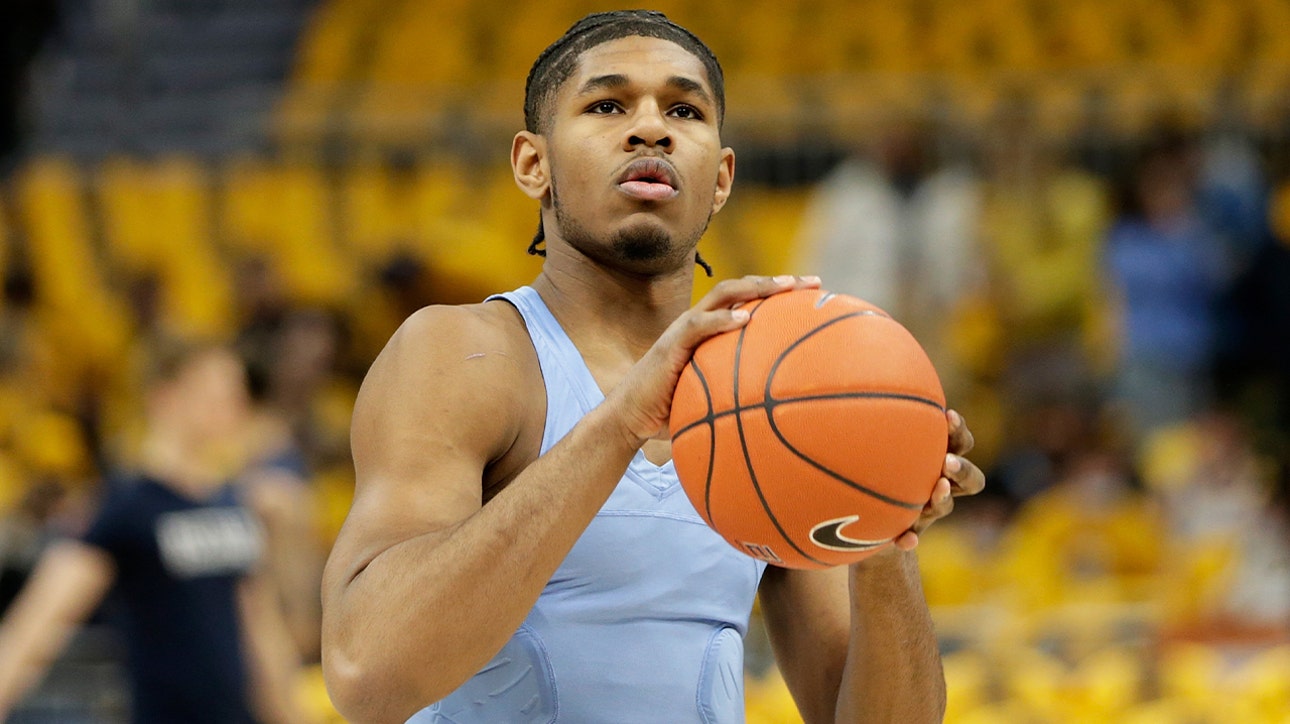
(604, 107)
(687, 113)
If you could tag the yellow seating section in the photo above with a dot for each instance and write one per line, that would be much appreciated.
(391, 71)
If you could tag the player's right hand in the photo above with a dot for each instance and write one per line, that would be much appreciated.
(642, 401)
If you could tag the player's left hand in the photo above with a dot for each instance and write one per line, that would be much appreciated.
(959, 476)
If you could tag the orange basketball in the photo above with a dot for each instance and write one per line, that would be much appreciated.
(812, 436)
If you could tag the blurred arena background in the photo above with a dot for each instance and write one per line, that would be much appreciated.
(1081, 207)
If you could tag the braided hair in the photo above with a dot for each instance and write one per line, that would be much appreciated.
(558, 62)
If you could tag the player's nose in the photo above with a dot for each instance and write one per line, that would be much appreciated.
(648, 128)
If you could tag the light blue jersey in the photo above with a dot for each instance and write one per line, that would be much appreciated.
(643, 621)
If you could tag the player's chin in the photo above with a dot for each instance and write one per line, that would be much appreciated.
(647, 245)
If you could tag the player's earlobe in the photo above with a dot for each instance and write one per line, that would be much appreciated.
(725, 179)
(528, 163)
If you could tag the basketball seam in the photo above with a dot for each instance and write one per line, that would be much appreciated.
(777, 402)
(770, 404)
(712, 440)
(743, 444)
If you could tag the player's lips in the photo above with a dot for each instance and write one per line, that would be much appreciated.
(648, 179)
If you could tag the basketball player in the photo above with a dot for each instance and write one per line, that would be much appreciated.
(204, 639)
(519, 549)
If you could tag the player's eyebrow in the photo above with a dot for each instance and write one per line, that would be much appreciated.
(618, 81)
(614, 81)
(690, 85)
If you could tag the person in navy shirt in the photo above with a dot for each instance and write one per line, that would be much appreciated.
(176, 553)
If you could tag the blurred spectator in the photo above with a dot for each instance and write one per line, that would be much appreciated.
(898, 229)
(1230, 570)
(1090, 537)
(1043, 221)
(292, 359)
(181, 552)
(1169, 270)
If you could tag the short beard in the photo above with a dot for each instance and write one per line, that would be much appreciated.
(641, 248)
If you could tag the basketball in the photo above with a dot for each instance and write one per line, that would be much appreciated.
(812, 436)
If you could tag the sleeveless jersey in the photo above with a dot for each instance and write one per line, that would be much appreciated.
(644, 620)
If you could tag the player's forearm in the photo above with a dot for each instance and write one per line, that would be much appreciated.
(427, 614)
(893, 670)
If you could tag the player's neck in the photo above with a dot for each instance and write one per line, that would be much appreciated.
(590, 300)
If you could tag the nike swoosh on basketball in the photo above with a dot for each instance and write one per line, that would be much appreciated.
(829, 535)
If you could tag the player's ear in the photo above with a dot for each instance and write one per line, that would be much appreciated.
(725, 179)
(528, 163)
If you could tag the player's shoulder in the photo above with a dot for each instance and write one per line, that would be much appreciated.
(474, 328)
(480, 342)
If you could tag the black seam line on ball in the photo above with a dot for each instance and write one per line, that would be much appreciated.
(712, 439)
(774, 403)
(743, 444)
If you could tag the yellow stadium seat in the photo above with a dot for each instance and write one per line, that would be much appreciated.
(394, 114)
(1267, 40)
(312, 697)
(968, 678)
(763, 225)
(425, 45)
(334, 486)
(1106, 684)
(971, 38)
(889, 38)
(768, 701)
(376, 215)
(157, 222)
(330, 41)
(481, 245)
(13, 482)
(1213, 35)
(1264, 91)
(1089, 34)
(1192, 673)
(1036, 681)
(1160, 711)
(86, 324)
(1006, 712)
(282, 212)
(1262, 683)
(528, 29)
(52, 443)
(57, 222)
(950, 566)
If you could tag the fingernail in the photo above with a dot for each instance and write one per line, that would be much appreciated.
(783, 279)
(811, 280)
(739, 315)
(952, 463)
(955, 418)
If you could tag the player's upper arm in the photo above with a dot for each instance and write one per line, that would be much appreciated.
(438, 405)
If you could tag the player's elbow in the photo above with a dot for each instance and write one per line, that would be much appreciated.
(367, 694)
